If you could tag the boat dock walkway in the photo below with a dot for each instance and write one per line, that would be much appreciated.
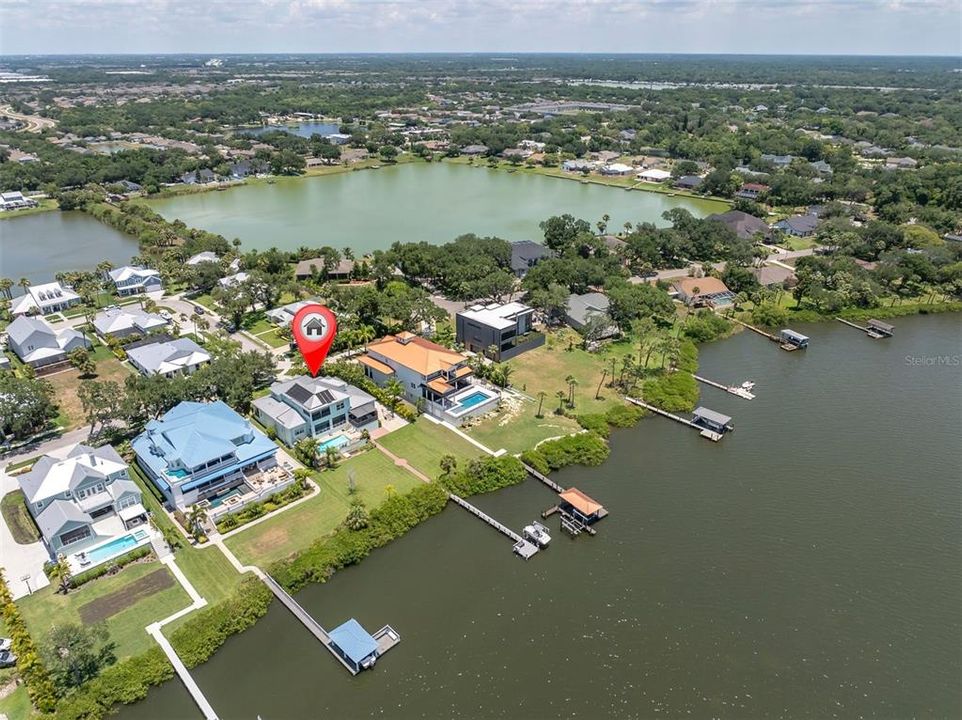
(313, 626)
(182, 672)
(543, 478)
(755, 329)
(521, 546)
(704, 432)
(733, 389)
(875, 328)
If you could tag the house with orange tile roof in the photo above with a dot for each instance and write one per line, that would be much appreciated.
(433, 376)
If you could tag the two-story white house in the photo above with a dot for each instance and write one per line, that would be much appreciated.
(131, 280)
(430, 375)
(44, 299)
(315, 407)
(36, 343)
(83, 499)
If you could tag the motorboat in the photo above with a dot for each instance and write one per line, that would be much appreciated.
(538, 534)
(748, 385)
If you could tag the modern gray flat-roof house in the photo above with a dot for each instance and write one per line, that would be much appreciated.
(315, 407)
(123, 322)
(130, 280)
(80, 497)
(175, 357)
(505, 327)
(581, 307)
(36, 343)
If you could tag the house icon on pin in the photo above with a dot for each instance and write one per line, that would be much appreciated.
(313, 327)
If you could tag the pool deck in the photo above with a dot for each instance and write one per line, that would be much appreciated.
(74, 561)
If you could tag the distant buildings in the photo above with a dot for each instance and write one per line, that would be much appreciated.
(430, 375)
(577, 166)
(688, 182)
(36, 343)
(203, 451)
(44, 299)
(315, 407)
(616, 169)
(751, 191)
(130, 280)
(654, 175)
(580, 308)
(175, 357)
(505, 327)
(15, 200)
(474, 150)
(82, 496)
(698, 292)
(205, 256)
(121, 322)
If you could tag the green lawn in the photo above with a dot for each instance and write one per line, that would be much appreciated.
(298, 527)
(46, 607)
(423, 444)
(516, 428)
(258, 326)
(66, 383)
(17, 517)
(16, 705)
(272, 338)
(205, 299)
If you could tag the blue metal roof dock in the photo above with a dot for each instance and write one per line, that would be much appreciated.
(355, 644)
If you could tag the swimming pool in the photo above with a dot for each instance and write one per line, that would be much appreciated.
(475, 398)
(115, 547)
(220, 500)
(335, 442)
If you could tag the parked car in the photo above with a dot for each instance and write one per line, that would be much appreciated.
(7, 659)
(166, 315)
(198, 310)
(5, 644)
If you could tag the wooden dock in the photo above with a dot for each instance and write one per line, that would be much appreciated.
(878, 332)
(761, 332)
(192, 688)
(521, 546)
(664, 413)
(543, 478)
(731, 389)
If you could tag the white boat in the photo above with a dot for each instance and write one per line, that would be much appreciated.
(537, 533)
(748, 385)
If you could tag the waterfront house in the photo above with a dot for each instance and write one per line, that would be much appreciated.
(121, 322)
(340, 271)
(430, 374)
(474, 150)
(616, 169)
(14, 200)
(44, 299)
(577, 166)
(130, 280)
(688, 182)
(81, 496)
(174, 357)
(507, 327)
(711, 420)
(580, 308)
(704, 291)
(654, 175)
(798, 225)
(769, 275)
(525, 254)
(745, 226)
(36, 343)
(207, 452)
(792, 338)
(205, 256)
(315, 407)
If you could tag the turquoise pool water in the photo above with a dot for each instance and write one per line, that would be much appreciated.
(217, 501)
(177, 473)
(475, 398)
(335, 442)
(116, 546)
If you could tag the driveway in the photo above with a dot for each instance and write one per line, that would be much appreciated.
(22, 564)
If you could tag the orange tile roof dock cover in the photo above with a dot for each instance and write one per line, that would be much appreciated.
(580, 502)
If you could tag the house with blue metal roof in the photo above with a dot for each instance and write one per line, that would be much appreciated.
(206, 452)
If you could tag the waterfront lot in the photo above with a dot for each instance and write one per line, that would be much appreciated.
(424, 443)
(127, 602)
(296, 528)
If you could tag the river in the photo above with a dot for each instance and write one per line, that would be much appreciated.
(807, 566)
(39, 246)
(370, 209)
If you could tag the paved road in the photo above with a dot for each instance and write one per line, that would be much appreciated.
(20, 561)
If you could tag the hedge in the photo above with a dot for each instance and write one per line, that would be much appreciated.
(126, 682)
(585, 448)
(40, 688)
(619, 416)
(394, 517)
(485, 475)
(110, 567)
(198, 638)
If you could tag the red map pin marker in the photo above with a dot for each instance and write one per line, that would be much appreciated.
(314, 328)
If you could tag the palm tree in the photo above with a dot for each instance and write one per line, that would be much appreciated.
(572, 382)
(357, 517)
(449, 464)
(364, 334)
(562, 396)
(5, 285)
(348, 253)
(60, 572)
(541, 396)
(394, 390)
(24, 283)
(195, 521)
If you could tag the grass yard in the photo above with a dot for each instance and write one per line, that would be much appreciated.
(423, 443)
(123, 596)
(516, 428)
(16, 705)
(298, 527)
(66, 383)
(272, 338)
(15, 514)
(209, 572)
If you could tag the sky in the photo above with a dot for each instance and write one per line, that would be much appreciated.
(857, 27)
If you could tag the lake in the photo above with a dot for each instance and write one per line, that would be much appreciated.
(806, 566)
(370, 209)
(39, 246)
(305, 129)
